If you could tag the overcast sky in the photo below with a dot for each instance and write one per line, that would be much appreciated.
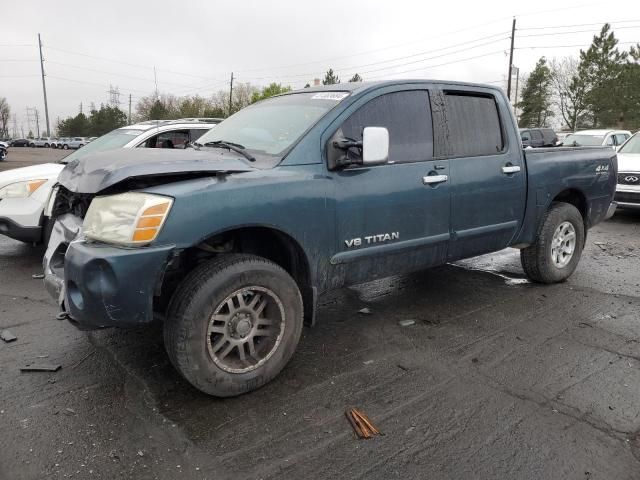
(195, 45)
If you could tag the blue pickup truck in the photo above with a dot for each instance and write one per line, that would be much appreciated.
(231, 243)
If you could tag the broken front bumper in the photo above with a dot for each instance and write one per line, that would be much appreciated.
(100, 285)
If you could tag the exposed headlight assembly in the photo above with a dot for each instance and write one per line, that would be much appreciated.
(130, 219)
(21, 189)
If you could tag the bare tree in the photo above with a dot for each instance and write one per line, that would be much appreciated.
(5, 112)
(569, 91)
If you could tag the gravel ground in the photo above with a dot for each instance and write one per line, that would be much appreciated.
(496, 378)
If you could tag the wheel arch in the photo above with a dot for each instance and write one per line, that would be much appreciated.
(271, 243)
(578, 199)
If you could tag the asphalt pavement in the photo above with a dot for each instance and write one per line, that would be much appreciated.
(495, 378)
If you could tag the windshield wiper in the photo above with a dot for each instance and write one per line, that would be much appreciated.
(236, 147)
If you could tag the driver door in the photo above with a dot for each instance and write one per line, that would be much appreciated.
(392, 218)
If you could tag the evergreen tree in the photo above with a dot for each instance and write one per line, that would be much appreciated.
(602, 67)
(535, 103)
(355, 78)
(330, 78)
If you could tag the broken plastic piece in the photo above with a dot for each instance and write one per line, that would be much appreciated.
(365, 311)
(406, 323)
(7, 336)
(41, 367)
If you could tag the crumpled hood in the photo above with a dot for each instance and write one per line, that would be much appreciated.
(94, 173)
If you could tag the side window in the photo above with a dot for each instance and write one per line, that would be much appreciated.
(196, 133)
(171, 139)
(609, 141)
(536, 135)
(474, 124)
(407, 116)
(525, 136)
(621, 138)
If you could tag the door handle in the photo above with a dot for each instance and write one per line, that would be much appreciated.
(510, 169)
(431, 179)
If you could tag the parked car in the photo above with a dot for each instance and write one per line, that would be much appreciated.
(3, 152)
(54, 143)
(40, 142)
(233, 242)
(590, 138)
(628, 188)
(20, 142)
(27, 190)
(538, 137)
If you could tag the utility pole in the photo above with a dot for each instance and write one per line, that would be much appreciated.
(231, 94)
(129, 109)
(513, 37)
(37, 123)
(44, 86)
(515, 102)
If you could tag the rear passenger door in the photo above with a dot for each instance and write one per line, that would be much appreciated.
(487, 175)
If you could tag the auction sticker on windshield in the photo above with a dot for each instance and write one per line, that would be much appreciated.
(337, 96)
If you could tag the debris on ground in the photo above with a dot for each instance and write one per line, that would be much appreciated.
(361, 424)
(367, 362)
(602, 245)
(406, 323)
(41, 367)
(365, 311)
(37, 276)
(7, 336)
(402, 367)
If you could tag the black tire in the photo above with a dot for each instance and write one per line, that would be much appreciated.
(199, 296)
(46, 145)
(537, 259)
(3, 154)
(65, 147)
(32, 145)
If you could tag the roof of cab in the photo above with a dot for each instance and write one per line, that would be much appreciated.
(358, 87)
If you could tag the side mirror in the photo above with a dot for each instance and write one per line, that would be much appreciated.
(375, 145)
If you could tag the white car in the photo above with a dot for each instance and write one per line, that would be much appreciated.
(593, 138)
(40, 142)
(25, 192)
(628, 188)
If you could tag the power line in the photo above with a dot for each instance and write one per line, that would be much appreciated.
(578, 25)
(571, 32)
(533, 47)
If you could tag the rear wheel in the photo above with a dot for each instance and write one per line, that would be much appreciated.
(233, 324)
(557, 250)
(46, 145)
(65, 147)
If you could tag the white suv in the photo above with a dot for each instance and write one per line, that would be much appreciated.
(24, 192)
(592, 138)
(41, 142)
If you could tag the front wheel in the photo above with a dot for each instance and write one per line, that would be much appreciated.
(65, 147)
(557, 250)
(3, 154)
(46, 145)
(233, 324)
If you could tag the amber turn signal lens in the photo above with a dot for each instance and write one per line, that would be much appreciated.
(160, 209)
(149, 222)
(145, 235)
(34, 185)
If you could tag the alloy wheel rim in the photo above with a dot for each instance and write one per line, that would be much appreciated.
(246, 329)
(563, 244)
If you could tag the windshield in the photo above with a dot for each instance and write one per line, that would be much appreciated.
(114, 139)
(632, 145)
(269, 128)
(583, 140)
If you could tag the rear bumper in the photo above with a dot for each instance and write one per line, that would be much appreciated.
(19, 232)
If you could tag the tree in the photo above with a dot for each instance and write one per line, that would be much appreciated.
(30, 134)
(5, 113)
(242, 94)
(631, 85)
(570, 92)
(601, 67)
(161, 107)
(307, 86)
(78, 126)
(269, 91)
(535, 103)
(330, 78)
(355, 78)
(106, 119)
